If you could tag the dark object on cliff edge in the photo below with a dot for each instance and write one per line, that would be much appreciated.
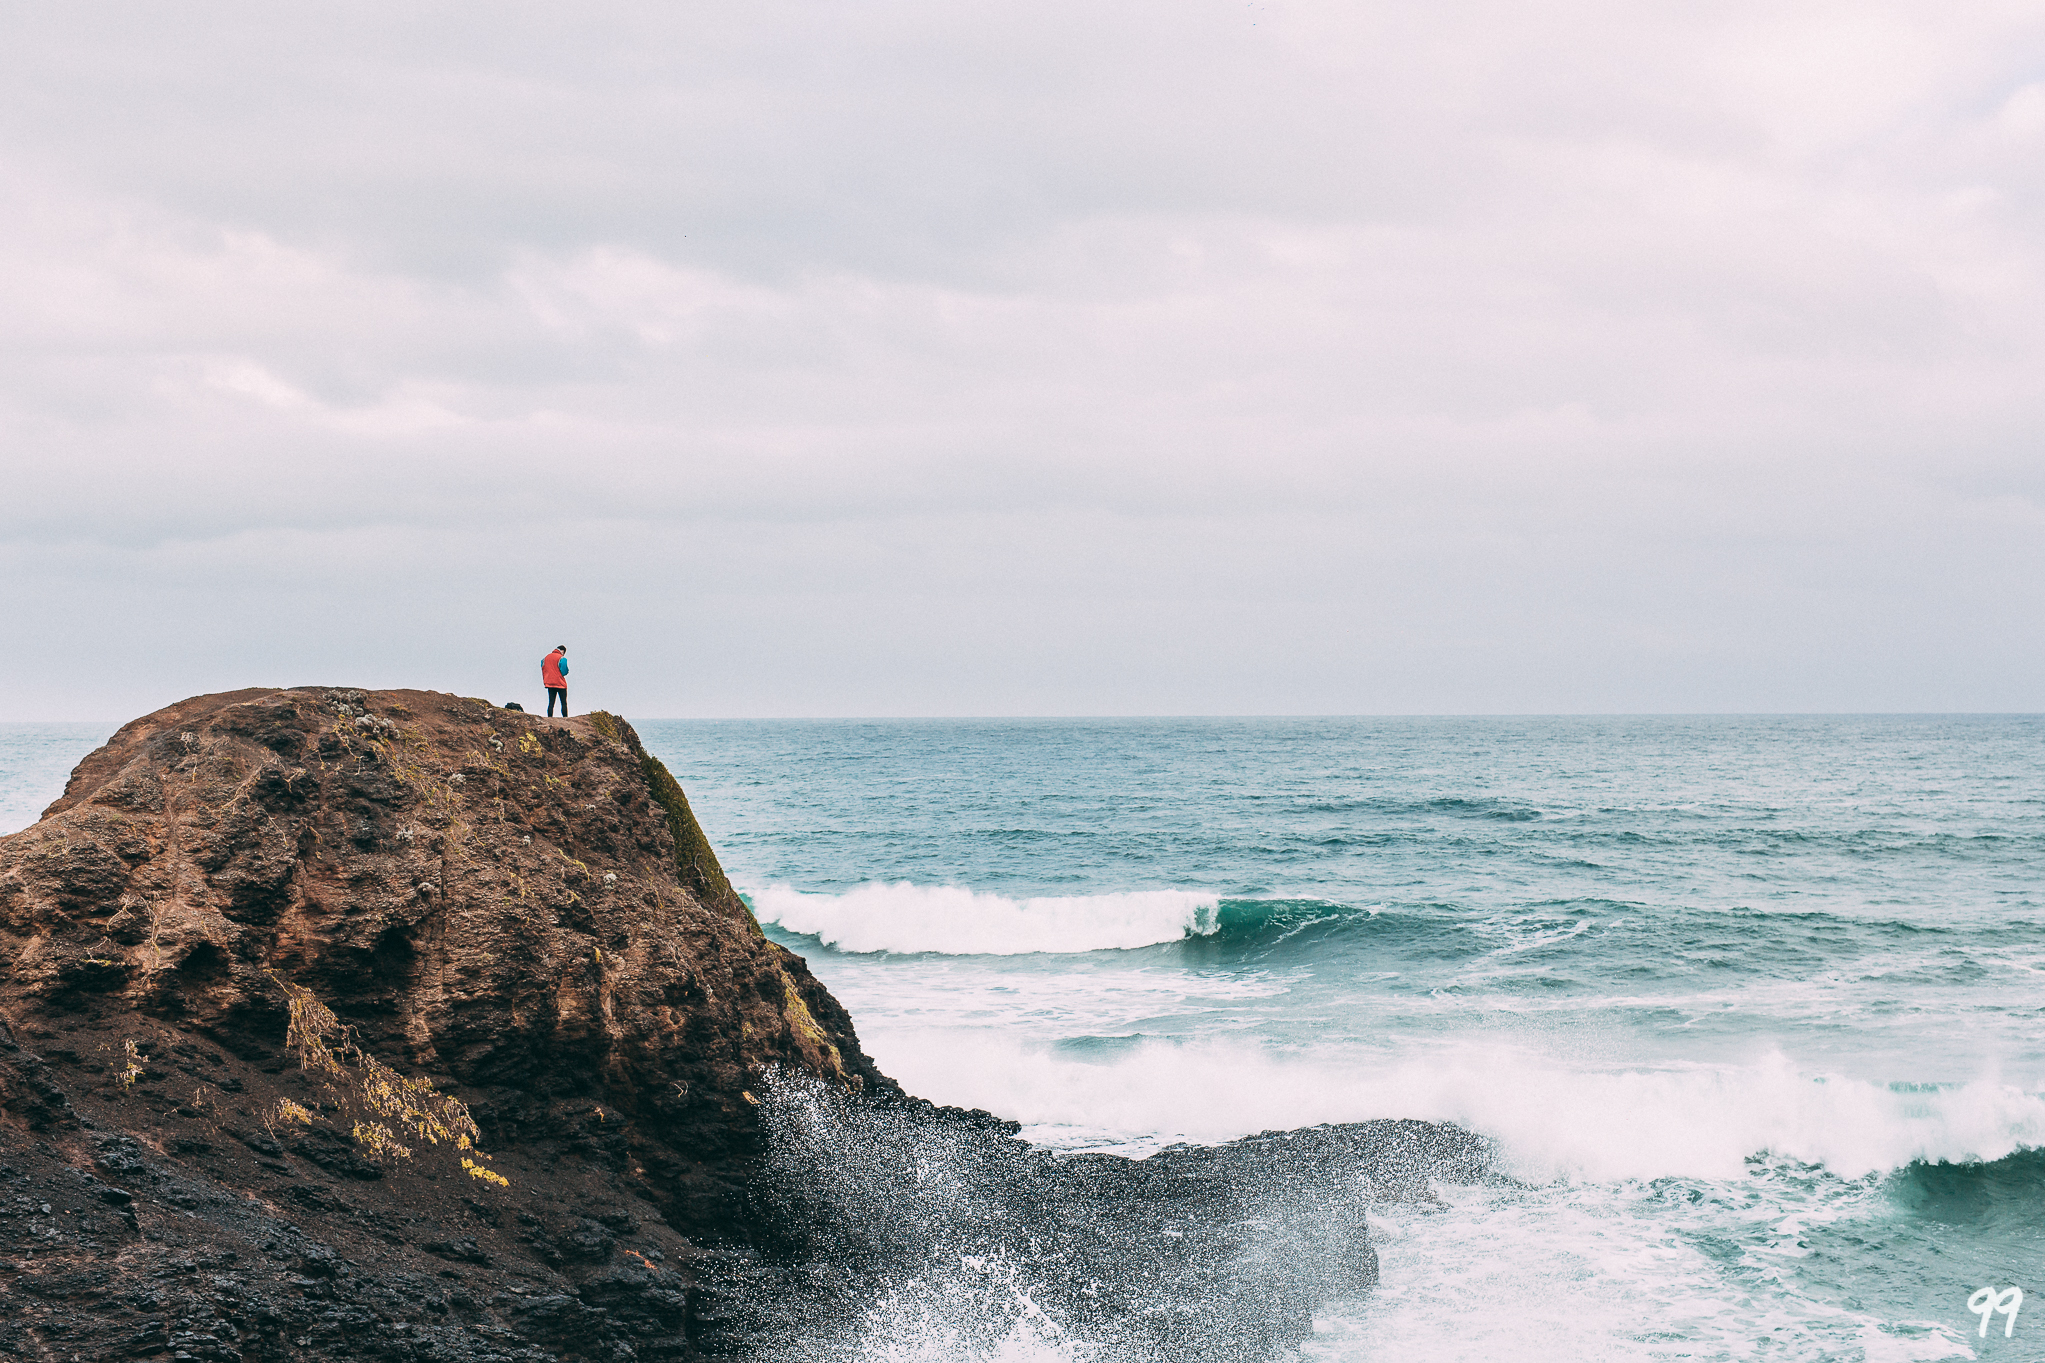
(514, 705)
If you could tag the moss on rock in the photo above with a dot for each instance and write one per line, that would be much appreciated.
(695, 860)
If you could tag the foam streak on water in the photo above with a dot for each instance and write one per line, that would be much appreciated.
(1621, 1272)
(1551, 1122)
(948, 920)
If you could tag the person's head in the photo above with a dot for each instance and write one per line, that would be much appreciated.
(560, 648)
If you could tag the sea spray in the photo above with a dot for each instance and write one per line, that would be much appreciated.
(903, 1221)
(971, 1310)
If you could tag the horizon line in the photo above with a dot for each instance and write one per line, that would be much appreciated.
(1245, 715)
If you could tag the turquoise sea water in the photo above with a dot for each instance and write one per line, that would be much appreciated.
(35, 761)
(1753, 1008)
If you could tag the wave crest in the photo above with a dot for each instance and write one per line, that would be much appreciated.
(1550, 1121)
(949, 920)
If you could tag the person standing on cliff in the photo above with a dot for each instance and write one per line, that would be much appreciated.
(554, 675)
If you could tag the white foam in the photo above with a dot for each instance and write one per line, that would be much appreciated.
(952, 921)
(989, 992)
(1594, 1260)
(1551, 1121)
(972, 1311)
(1564, 1274)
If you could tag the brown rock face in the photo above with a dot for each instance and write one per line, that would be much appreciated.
(520, 908)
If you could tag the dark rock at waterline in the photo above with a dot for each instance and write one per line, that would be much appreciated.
(700, 1159)
(953, 1225)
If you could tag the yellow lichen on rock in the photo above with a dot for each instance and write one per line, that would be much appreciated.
(804, 1024)
(388, 1102)
(289, 1112)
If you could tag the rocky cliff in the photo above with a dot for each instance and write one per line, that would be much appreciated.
(346, 1026)
(515, 913)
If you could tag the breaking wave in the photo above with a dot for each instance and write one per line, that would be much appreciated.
(948, 920)
(1550, 1121)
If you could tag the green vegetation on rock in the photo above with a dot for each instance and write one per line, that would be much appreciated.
(694, 858)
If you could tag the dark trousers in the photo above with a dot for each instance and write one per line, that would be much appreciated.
(562, 692)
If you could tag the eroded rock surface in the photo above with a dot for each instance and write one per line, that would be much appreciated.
(521, 910)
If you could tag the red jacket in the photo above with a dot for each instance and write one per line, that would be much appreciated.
(550, 670)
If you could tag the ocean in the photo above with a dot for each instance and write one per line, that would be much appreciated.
(1752, 1009)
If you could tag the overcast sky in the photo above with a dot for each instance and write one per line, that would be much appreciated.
(1108, 358)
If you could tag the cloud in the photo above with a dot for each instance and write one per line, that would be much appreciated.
(1654, 343)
